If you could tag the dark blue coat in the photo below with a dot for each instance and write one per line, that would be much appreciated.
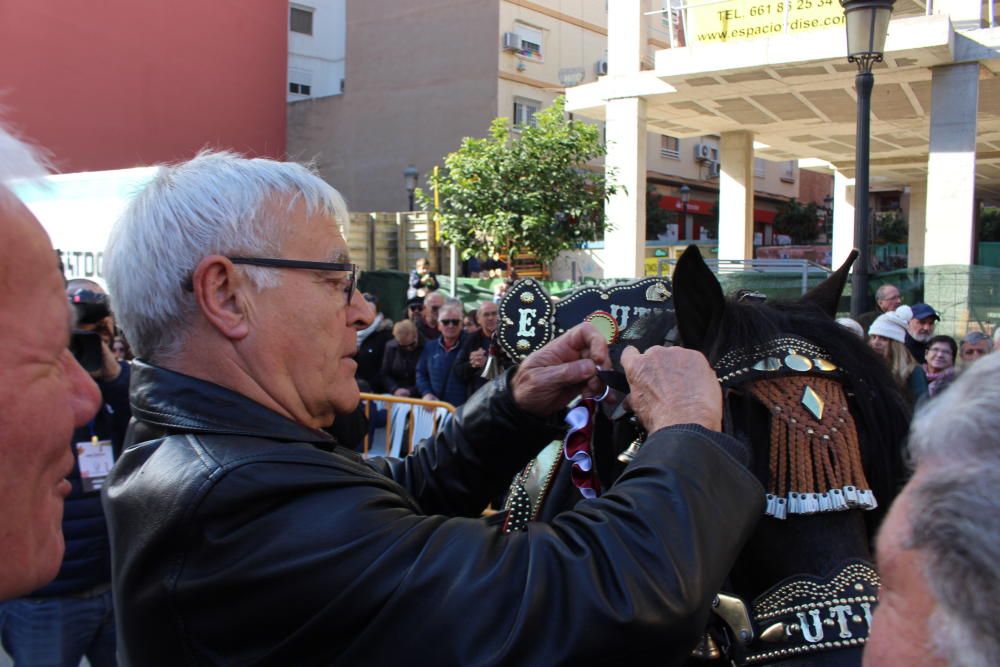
(436, 372)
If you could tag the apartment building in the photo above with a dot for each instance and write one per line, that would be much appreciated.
(420, 76)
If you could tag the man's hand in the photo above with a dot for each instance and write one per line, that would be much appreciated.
(671, 385)
(402, 391)
(477, 358)
(549, 378)
(110, 369)
(430, 397)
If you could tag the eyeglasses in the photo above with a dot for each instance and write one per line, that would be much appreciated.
(417, 308)
(302, 264)
(450, 323)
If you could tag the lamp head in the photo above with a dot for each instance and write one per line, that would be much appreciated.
(411, 175)
(867, 26)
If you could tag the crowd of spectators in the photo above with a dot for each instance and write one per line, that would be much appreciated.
(923, 364)
(938, 548)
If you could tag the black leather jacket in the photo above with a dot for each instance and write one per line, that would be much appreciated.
(238, 540)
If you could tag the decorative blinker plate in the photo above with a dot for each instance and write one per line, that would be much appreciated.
(529, 319)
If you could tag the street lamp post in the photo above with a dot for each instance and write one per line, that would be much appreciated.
(867, 25)
(828, 219)
(685, 198)
(410, 176)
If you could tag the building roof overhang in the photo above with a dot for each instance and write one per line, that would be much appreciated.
(796, 94)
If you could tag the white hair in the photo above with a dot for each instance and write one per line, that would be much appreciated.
(217, 203)
(18, 161)
(851, 326)
(954, 514)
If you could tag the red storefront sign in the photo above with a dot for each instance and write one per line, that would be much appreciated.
(700, 207)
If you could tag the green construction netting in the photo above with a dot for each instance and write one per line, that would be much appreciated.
(966, 297)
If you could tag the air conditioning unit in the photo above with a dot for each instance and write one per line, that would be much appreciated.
(601, 67)
(511, 41)
(702, 152)
(714, 169)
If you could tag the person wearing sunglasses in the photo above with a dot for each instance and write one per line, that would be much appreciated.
(436, 376)
(243, 534)
(415, 310)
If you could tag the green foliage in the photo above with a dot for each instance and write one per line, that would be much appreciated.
(657, 218)
(989, 224)
(524, 191)
(798, 221)
(891, 227)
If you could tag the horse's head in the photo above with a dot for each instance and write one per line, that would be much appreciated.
(789, 365)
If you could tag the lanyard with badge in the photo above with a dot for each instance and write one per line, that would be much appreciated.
(95, 458)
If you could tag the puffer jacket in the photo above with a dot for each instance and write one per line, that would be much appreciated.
(237, 540)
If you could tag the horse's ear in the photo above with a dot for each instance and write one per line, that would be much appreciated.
(698, 300)
(826, 295)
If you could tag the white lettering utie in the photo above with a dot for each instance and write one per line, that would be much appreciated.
(524, 327)
(813, 632)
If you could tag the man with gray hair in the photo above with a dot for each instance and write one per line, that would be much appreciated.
(45, 392)
(974, 346)
(940, 544)
(243, 534)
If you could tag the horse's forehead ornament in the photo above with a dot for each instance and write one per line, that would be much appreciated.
(812, 402)
(782, 356)
(814, 454)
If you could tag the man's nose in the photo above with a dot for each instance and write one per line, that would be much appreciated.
(84, 396)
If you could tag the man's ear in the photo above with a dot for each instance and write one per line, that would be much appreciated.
(217, 287)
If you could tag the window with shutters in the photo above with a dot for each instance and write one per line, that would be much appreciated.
(300, 20)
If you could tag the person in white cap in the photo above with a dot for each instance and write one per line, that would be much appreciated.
(887, 336)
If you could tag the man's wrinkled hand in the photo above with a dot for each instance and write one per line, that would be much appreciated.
(670, 386)
(551, 377)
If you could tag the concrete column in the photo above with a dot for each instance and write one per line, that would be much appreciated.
(736, 195)
(843, 218)
(625, 164)
(964, 14)
(627, 29)
(951, 165)
(916, 224)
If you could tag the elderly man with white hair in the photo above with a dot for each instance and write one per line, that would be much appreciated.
(243, 534)
(45, 393)
(939, 547)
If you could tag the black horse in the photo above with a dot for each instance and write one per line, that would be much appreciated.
(825, 422)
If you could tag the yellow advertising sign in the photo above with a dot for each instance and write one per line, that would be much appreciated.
(735, 20)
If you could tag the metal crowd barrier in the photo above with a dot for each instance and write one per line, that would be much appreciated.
(408, 420)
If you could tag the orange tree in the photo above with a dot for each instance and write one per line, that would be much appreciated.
(523, 191)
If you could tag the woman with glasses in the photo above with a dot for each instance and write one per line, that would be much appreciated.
(940, 364)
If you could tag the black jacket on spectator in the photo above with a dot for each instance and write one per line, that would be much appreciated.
(369, 357)
(916, 348)
(472, 376)
(87, 562)
(399, 368)
(426, 331)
